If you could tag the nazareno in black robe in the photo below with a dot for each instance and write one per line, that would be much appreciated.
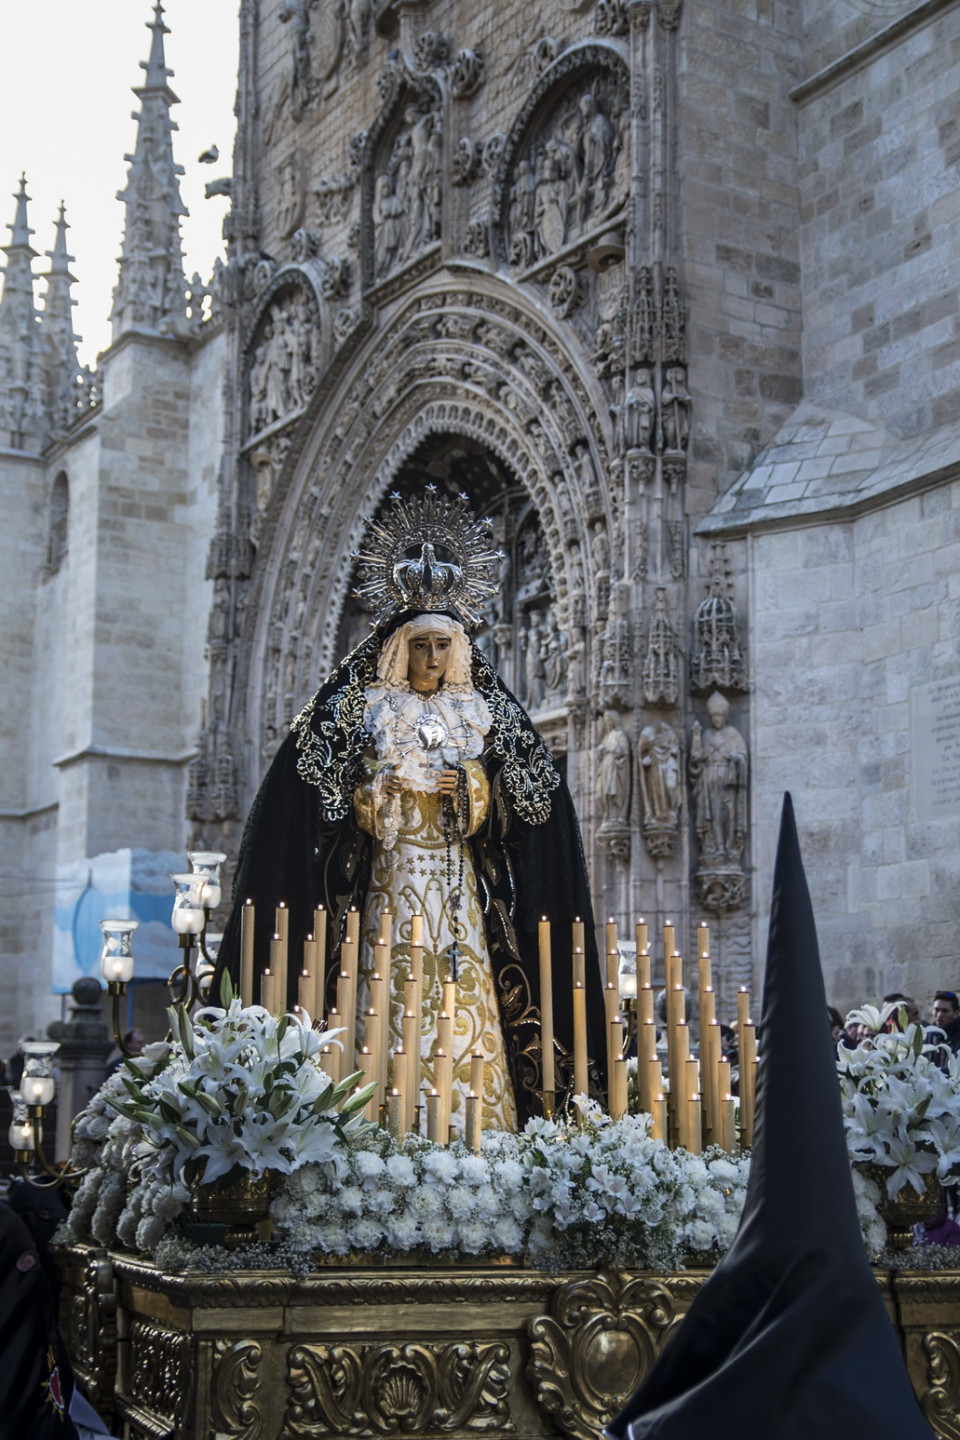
(36, 1381)
(789, 1338)
(302, 846)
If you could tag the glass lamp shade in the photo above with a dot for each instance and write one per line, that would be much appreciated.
(20, 1133)
(116, 957)
(628, 985)
(188, 917)
(37, 1083)
(37, 1089)
(212, 945)
(207, 863)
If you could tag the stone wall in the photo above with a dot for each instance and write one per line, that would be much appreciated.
(852, 623)
(881, 205)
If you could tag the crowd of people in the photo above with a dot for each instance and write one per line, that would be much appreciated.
(943, 1028)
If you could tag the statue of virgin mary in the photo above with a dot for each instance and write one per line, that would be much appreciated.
(414, 782)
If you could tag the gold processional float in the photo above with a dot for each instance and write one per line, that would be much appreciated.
(367, 1346)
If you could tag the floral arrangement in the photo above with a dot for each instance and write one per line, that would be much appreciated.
(236, 1087)
(556, 1194)
(901, 1101)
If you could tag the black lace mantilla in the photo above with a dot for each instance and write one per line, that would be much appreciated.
(331, 739)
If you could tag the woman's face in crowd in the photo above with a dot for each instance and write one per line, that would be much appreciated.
(428, 653)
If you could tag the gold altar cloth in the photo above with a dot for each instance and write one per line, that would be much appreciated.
(423, 1350)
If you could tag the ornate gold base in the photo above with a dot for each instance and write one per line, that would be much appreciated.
(362, 1350)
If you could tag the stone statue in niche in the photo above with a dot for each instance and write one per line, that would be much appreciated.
(600, 549)
(568, 175)
(533, 566)
(718, 769)
(659, 765)
(292, 194)
(639, 412)
(675, 409)
(533, 644)
(613, 771)
(555, 657)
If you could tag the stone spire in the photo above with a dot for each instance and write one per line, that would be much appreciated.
(59, 341)
(21, 381)
(150, 290)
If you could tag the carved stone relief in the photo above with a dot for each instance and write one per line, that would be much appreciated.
(283, 364)
(569, 172)
(408, 189)
(660, 675)
(718, 657)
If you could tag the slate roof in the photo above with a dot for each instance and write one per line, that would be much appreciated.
(826, 462)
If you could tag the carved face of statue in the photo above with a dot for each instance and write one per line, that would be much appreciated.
(429, 652)
(718, 708)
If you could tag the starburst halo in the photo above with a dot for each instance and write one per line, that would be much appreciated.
(427, 552)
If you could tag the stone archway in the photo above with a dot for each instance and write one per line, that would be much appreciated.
(452, 362)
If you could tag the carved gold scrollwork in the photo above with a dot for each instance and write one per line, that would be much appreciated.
(353, 1390)
(160, 1369)
(595, 1347)
(235, 1383)
(941, 1399)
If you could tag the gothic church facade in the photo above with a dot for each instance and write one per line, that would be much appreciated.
(669, 288)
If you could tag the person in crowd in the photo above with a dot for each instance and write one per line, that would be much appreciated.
(946, 1019)
(907, 1004)
(850, 1038)
(835, 1021)
(38, 1397)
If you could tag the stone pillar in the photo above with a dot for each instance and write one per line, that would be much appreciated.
(85, 1044)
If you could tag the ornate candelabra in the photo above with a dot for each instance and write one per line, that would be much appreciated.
(196, 895)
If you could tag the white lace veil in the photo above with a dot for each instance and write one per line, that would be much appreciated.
(394, 659)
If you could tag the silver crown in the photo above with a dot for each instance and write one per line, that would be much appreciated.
(399, 568)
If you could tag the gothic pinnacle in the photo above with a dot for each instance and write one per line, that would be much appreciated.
(155, 68)
(20, 231)
(150, 292)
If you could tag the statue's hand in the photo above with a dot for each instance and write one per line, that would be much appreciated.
(393, 785)
(448, 781)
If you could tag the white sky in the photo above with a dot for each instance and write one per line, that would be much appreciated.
(66, 73)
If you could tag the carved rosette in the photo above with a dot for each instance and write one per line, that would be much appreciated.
(595, 1347)
(941, 1399)
(380, 1389)
(235, 1383)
